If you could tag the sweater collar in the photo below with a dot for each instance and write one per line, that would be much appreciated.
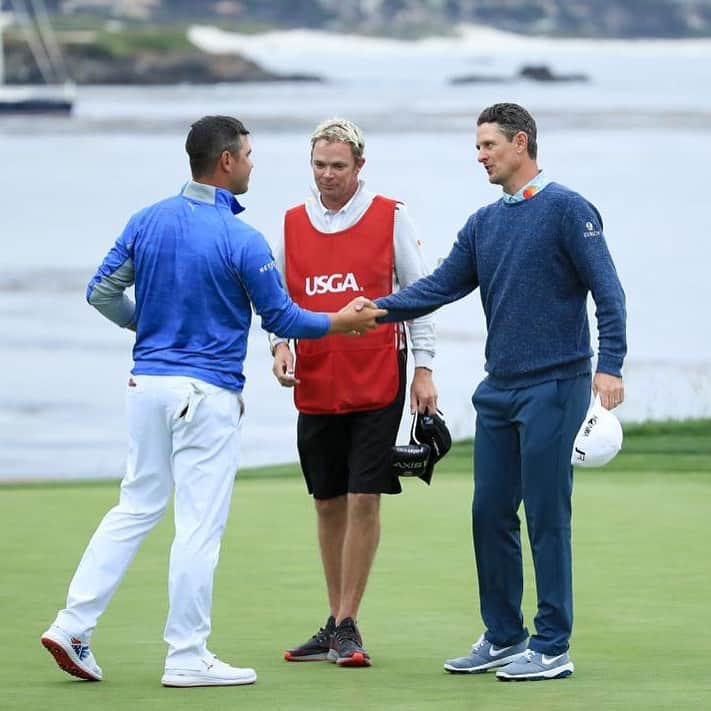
(528, 190)
(212, 195)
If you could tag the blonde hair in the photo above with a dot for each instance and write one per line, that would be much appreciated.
(340, 129)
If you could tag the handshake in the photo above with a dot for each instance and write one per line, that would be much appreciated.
(356, 317)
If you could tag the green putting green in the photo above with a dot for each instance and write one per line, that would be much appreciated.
(642, 584)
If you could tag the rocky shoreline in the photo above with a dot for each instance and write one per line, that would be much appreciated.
(531, 72)
(90, 64)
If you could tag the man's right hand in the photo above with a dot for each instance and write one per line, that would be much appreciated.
(283, 366)
(356, 317)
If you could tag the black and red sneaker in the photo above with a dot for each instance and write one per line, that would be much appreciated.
(347, 646)
(315, 649)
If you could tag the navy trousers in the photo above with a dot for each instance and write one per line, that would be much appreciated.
(524, 439)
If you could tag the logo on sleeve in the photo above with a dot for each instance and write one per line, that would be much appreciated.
(331, 283)
(267, 267)
(590, 230)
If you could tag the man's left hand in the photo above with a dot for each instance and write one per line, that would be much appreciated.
(610, 388)
(423, 393)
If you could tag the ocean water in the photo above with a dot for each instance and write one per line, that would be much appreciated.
(635, 140)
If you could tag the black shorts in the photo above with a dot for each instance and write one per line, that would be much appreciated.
(351, 453)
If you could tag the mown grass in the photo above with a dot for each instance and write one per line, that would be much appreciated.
(642, 581)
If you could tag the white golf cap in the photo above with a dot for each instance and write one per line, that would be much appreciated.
(599, 438)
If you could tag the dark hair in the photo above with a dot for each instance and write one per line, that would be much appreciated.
(208, 138)
(512, 118)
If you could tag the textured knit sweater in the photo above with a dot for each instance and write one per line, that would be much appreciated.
(535, 262)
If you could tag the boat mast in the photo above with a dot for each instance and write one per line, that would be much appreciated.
(49, 40)
(4, 22)
(34, 40)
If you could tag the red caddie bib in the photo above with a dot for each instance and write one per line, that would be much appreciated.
(325, 271)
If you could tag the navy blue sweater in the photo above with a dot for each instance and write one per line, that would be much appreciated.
(535, 262)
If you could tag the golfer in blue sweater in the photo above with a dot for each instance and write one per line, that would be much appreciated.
(534, 254)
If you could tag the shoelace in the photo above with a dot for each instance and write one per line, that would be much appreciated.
(478, 644)
(347, 634)
(321, 636)
(528, 655)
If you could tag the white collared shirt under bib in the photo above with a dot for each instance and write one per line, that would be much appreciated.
(408, 257)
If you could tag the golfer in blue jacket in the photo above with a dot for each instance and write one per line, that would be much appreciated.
(198, 272)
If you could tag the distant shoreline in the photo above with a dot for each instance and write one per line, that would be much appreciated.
(207, 54)
(139, 58)
(210, 37)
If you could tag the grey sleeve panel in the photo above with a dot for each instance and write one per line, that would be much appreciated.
(108, 297)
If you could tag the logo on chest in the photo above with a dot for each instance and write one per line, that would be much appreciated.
(331, 283)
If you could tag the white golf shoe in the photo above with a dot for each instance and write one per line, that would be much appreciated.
(210, 672)
(71, 654)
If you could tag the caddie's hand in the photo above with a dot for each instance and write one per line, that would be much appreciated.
(423, 393)
(610, 388)
(356, 317)
(283, 366)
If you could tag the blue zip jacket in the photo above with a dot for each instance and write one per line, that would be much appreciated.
(198, 271)
(535, 262)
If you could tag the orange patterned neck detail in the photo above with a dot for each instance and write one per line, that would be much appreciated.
(528, 191)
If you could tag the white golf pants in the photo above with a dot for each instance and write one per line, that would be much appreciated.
(183, 432)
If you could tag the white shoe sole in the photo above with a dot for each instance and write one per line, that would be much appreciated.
(481, 668)
(558, 672)
(188, 680)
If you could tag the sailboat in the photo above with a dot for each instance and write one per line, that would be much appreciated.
(57, 96)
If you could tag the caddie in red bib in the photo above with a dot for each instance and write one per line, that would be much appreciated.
(345, 242)
(340, 373)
